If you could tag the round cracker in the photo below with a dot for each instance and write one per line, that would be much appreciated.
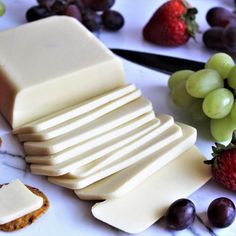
(29, 218)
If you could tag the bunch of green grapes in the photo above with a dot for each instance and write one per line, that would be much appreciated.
(209, 94)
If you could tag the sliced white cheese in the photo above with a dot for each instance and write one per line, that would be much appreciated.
(141, 152)
(77, 162)
(16, 200)
(81, 120)
(74, 111)
(101, 125)
(144, 205)
(165, 123)
(124, 181)
(102, 144)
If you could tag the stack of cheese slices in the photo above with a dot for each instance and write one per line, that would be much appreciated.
(110, 145)
(81, 124)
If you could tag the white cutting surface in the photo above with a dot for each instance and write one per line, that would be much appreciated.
(70, 216)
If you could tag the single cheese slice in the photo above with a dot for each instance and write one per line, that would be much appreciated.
(144, 205)
(105, 123)
(52, 69)
(165, 123)
(103, 144)
(16, 200)
(74, 182)
(74, 111)
(124, 181)
(79, 121)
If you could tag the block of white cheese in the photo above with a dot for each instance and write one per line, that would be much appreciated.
(144, 205)
(124, 161)
(124, 181)
(165, 123)
(101, 125)
(103, 144)
(16, 200)
(51, 64)
(74, 111)
(81, 120)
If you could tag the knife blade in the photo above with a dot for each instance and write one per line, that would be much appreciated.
(165, 64)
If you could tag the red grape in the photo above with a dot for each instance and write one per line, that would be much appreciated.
(229, 37)
(221, 212)
(36, 13)
(73, 11)
(180, 214)
(46, 3)
(91, 20)
(112, 20)
(212, 38)
(100, 5)
(59, 6)
(219, 16)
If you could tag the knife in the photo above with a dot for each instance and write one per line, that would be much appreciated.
(165, 64)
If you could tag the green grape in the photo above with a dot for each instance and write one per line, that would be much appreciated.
(196, 111)
(203, 82)
(233, 112)
(222, 129)
(218, 103)
(177, 77)
(232, 78)
(220, 62)
(180, 96)
(2, 8)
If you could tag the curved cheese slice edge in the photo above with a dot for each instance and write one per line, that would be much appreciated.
(143, 206)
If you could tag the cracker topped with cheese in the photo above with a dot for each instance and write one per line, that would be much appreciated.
(20, 205)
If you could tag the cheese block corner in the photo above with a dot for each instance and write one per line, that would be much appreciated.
(51, 64)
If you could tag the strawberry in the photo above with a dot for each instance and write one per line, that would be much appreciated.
(223, 164)
(172, 24)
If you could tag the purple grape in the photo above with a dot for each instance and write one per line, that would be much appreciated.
(100, 5)
(59, 6)
(219, 16)
(46, 3)
(180, 214)
(91, 20)
(229, 37)
(221, 212)
(112, 20)
(37, 12)
(213, 38)
(73, 11)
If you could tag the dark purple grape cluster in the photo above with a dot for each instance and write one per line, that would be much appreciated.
(93, 14)
(181, 213)
(222, 34)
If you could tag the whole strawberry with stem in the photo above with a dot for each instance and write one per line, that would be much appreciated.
(223, 163)
(172, 24)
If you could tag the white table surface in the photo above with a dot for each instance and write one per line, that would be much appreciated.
(67, 214)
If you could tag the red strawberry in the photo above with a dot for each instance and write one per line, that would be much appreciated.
(172, 24)
(223, 164)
